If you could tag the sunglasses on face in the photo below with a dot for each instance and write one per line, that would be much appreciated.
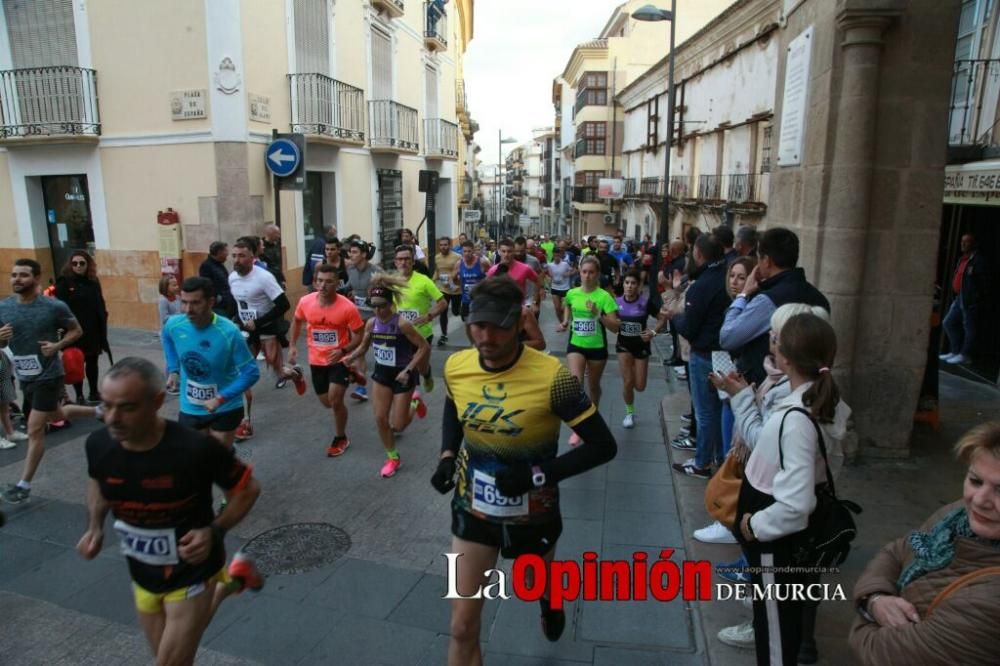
(78, 263)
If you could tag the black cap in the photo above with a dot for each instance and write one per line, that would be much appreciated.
(488, 310)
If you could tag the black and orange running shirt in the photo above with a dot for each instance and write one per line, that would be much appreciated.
(510, 415)
(157, 496)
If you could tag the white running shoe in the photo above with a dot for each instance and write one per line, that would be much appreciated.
(6, 443)
(17, 436)
(715, 533)
(628, 421)
(958, 359)
(945, 357)
(739, 636)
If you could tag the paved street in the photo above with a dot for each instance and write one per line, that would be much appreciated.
(379, 602)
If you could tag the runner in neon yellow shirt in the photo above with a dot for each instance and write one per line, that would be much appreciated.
(421, 303)
(590, 312)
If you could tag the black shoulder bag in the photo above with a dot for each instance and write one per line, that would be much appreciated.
(826, 540)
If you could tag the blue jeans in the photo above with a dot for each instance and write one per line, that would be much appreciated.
(960, 327)
(707, 410)
(728, 421)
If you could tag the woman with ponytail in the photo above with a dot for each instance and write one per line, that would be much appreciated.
(782, 475)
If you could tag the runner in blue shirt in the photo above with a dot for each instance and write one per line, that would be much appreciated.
(208, 359)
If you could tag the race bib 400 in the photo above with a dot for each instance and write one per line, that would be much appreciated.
(488, 500)
(156, 547)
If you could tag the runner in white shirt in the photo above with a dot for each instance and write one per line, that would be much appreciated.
(560, 272)
(260, 307)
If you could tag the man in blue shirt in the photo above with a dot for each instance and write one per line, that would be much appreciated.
(621, 253)
(208, 359)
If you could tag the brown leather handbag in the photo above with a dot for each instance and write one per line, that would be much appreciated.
(724, 489)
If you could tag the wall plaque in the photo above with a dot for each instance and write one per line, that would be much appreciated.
(188, 104)
(793, 108)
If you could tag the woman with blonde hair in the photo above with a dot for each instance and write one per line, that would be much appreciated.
(933, 597)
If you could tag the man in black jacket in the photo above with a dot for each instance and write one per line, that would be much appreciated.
(774, 282)
(704, 310)
(214, 268)
(967, 284)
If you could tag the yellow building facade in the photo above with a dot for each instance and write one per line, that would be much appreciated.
(112, 111)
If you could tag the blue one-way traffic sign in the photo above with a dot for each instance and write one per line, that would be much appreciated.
(282, 157)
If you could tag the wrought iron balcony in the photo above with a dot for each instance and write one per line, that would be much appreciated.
(630, 189)
(326, 107)
(680, 187)
(392, 127)
(45, 102)
(394, 8)
(435, 26)
(710, 188)
(651, 188)
(461, 103)
(440, 138)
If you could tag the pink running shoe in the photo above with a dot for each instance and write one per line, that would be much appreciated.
(390, 467)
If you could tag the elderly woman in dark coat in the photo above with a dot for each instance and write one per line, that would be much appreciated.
(933, 597)
(80, 289)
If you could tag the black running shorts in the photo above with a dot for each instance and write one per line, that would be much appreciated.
(512, 539)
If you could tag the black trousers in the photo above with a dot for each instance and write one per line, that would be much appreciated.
(778, 625)
(91, 364)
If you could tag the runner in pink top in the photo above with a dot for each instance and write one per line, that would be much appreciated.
(518, 271)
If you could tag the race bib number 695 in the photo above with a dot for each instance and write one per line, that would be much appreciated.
(487, 499)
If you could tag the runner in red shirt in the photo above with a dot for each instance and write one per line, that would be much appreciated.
(333, 329)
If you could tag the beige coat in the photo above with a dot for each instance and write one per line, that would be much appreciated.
(964, 629)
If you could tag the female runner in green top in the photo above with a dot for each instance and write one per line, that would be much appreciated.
(589, 314)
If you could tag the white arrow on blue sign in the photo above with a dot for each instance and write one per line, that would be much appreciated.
(282, 157)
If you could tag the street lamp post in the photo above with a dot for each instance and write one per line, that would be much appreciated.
(652, 13)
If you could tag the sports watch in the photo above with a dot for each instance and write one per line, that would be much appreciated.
(537, 476)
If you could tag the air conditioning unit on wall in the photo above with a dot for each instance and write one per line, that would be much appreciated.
(609, 219)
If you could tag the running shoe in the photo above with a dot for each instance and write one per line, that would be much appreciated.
(390, 467)
(173, 391)
(6, 443)
(299, 380)
(685, 431)
(684, 444)
(245, 571)
(687, 418)
(691, 469)
(442, 341)
(360, 393)
(740, 636)
(714, 533)
(244, 431)
(16, 494)
(628, 421)
(356, 376)
(553, 623)
(428, 383)
(17, 436)
(281, 383)
(681, 373)
(575, 440)
(337, 447)
(418, 404)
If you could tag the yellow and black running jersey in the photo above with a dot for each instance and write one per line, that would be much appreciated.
(510, 416)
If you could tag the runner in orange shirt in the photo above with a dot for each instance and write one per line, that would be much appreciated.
(333, 329)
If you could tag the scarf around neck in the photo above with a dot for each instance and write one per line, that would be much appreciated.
(935, 549)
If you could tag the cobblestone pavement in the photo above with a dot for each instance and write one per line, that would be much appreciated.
(380, 602)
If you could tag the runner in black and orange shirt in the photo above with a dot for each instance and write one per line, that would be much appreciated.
(156, 478)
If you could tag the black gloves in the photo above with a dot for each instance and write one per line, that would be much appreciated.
(515, 480)
(444, 476)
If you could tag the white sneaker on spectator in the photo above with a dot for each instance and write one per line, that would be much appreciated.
(17, 436)
(715, 533)
(740, 635)
(6, 443)
(945, 357)
(958, 359)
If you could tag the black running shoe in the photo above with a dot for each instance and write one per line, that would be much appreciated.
(553, 623)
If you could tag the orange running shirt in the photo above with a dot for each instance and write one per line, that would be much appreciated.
(329, 327)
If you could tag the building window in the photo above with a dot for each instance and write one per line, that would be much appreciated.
(390, 213)
(41, 33)
(312, 37)
(593, 90)
(381, 65)
(765, 151)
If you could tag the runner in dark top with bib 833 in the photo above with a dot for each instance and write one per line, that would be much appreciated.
(156, 476)
(507, 498)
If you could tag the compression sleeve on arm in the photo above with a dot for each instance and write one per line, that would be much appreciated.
(451, 436)
(598, 447)
(281, 306)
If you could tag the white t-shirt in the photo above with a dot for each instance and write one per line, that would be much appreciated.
(254, 292)
(559, 272)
